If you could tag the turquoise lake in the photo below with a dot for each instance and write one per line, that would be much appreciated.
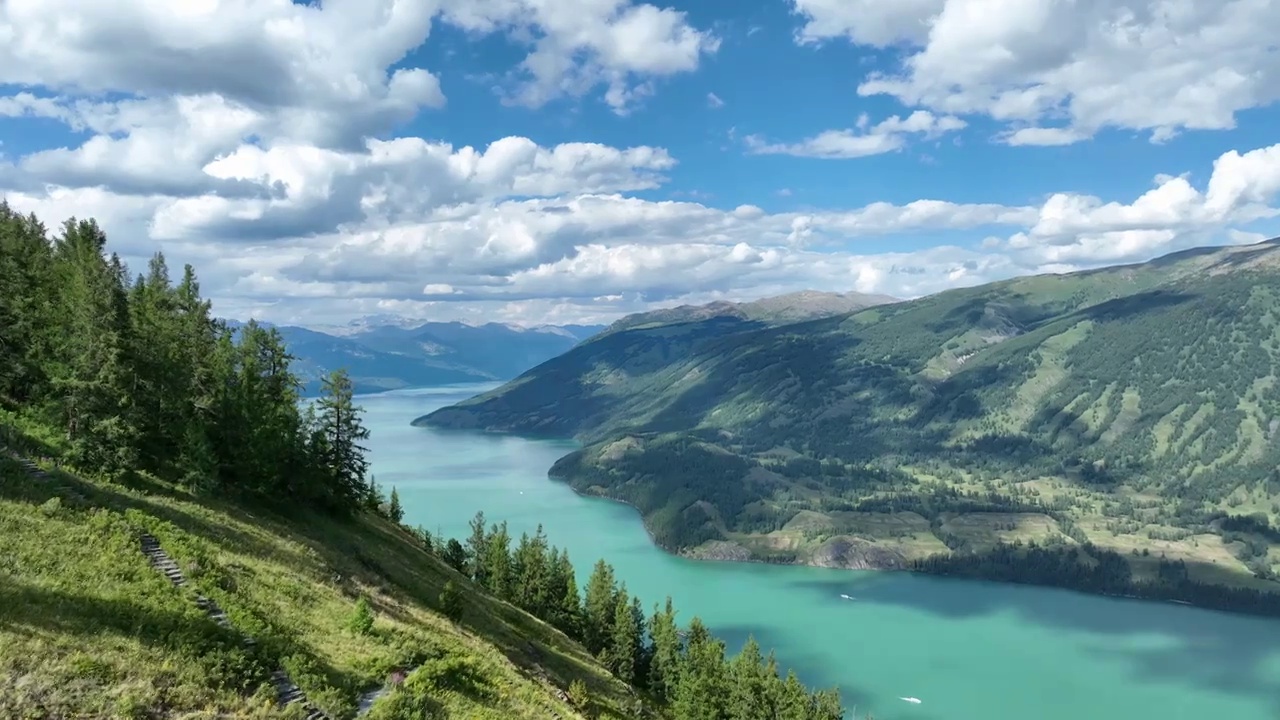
(967, 650)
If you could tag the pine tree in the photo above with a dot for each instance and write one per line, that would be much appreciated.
(578, 695)
(531, 582)
(665, 667)
(205, 373)
(394, 510)
(451, 602)
(26, 305)
(159, 383)
(793, 699)
(91, 376)
(644, 645)
(497, 565)
(624, 640)
(701, 690)
(598, 608)
(567, 612)
(343, 457)
(361, 621)
(748, 690)
(826, 706)
(455, 556)
(477, 550)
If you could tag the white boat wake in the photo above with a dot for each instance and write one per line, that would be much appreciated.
(846, 597)
(912, 700)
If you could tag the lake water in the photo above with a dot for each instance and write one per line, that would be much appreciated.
(967, 650)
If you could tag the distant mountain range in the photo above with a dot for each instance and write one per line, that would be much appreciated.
(382, 353)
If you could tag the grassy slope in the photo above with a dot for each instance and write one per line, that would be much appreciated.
(1163, 376)
(88, 629)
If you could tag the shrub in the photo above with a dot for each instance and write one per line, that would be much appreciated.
(451, 602)
(361, 621)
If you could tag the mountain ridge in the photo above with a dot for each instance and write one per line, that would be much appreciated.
(1079, 403)
(390, 356)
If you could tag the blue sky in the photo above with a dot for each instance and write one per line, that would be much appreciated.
(311, 162)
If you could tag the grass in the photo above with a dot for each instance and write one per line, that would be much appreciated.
(88, 629)
(986, 529)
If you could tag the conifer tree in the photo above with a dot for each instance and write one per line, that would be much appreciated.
(665, 666)
(451, 602)
(343, 457)
(567, 611)
(624, 641)
(394, 509)
(26, 267)
(455, 556)
(599, 608)
(748, 687)
(498, 560)
(477, 550)
(529, 564)
(701, 691)
(91, 375)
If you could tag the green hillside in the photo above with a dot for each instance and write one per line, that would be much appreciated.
(183, 538)
(1130, 410)
(89, 630)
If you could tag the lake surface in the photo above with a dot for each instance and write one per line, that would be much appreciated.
(967, 650)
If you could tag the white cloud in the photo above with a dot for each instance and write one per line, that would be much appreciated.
(580, 44)
(254, 139)
(475, 250)
(714, 101)
(888, 135)
(320, 73)
(1161, 66)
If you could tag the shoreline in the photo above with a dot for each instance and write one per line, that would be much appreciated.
(1133, 593)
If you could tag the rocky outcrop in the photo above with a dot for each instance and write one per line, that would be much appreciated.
(853, 553)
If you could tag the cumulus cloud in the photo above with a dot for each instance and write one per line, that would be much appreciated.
(257, 141)
(321, 73)
(886, 136)
(483, 247)
(1061, 71)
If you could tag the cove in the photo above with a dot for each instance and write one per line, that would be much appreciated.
(968, 650)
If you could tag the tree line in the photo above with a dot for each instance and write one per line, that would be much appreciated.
(686, 669)
(136, 374)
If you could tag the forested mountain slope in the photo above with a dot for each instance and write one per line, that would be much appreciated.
(1133, 408)
(194, 541)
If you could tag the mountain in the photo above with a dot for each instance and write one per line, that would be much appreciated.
(387, 356)
(780, 309)
(1125, 417)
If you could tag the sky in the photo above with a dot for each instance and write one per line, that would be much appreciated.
(559, 161)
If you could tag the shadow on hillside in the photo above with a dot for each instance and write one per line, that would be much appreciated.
(1223, 652)
(1125, 307)
(27, 607)
(964, 316)
(789, 365)
(22, 487)
(24, 443)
